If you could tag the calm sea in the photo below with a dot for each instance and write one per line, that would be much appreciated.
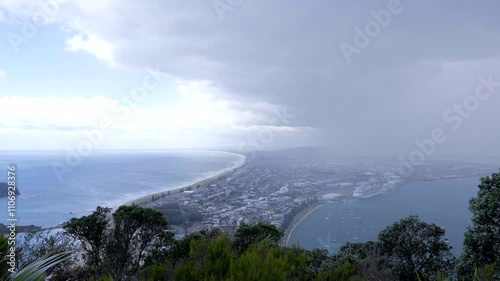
(105, 179)
(443, 202)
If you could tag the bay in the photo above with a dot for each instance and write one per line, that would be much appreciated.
(443, 202)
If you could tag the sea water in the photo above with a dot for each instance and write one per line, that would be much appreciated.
(106, 179)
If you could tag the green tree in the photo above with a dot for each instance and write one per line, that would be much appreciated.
(136, 230)
(247, 235)
(354, 252)
(247, 267)
(158, 272)
(482, 239)
(274, 268)
(3, 252)
(414, 248)
(259, 263)
(319, 259)
(366, 258)
(344, 271)
(91, 231)
(185, 272)
(298, 264)
(219, 258)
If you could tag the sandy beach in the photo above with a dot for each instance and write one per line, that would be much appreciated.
(202, 183)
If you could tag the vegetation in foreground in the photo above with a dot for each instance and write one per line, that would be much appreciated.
(134, 243)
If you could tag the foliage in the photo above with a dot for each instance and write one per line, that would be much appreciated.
(487, 273)
(91, 232)
(3, 252)
(135, 231)
(482, 239)
(415, 248)
(118, 246)
(35, 245)
(37, 271)
(366, 258)
(247, 235)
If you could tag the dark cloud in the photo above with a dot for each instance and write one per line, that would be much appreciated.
(287, 52)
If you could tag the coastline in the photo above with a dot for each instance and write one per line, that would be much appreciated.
(298, 219)
(193, 186)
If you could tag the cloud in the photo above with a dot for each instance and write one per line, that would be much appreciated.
(91, 44)
(283, 54)
(2, 74)
(182, 124)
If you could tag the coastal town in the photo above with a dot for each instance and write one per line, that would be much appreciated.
(273, 186)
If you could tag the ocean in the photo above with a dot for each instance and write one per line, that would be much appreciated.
(443, 202)
(106, 179)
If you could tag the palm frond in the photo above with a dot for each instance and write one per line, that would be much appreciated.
(37, 270)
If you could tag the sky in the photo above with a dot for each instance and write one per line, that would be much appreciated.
(382, 77)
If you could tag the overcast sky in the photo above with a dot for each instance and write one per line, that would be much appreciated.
(362, 77)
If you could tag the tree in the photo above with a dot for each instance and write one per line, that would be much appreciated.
(119, 246)
(219, 259)
(91, 231)
(3, 253)
(258, 263)
(366, 258)
(299, 263)
(250, 234)
(414, 248)
(354, 252)
(319, 258)
(482, 239)
(247, 267)
(136, 231)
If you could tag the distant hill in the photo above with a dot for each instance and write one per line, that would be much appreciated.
(4, 188)
(20, 228)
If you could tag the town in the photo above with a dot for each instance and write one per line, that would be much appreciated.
(273, 186)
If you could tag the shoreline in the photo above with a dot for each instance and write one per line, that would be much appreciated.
(143, 200)
(300, 216)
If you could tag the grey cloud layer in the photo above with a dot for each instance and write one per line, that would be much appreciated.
(287, 52)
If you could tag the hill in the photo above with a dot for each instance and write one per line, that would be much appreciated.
(4, 188)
